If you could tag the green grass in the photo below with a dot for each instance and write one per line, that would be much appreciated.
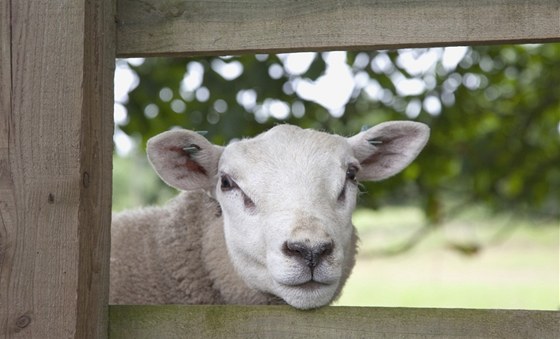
(518, 270)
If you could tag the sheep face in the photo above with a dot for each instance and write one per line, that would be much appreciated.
(287, 198)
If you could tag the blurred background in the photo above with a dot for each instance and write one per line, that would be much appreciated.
(473, 223)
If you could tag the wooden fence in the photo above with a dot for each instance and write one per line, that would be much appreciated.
(56, 124)
(329, 322)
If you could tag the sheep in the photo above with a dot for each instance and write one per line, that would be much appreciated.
(265, 220)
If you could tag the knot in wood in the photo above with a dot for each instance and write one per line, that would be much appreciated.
(23, 321)
(85, 179)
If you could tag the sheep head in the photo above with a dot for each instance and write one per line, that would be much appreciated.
(287, 198)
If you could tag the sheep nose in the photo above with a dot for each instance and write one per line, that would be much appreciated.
(310, 253)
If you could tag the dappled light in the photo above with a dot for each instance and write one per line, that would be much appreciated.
(478, 100)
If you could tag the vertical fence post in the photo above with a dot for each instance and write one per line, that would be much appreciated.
(56, 125)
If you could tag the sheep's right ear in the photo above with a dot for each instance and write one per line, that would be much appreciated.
(184, 159)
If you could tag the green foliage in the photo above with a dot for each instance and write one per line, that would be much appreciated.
(495, 136)
(134, 176)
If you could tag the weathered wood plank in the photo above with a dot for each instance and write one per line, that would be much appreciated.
(6, 205)
(192, 27)
(330, 322)
(56, 67)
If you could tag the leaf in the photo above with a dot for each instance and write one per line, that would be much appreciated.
(316, 69)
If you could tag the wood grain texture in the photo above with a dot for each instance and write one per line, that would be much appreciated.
(7, 209)
(56, 68)
(329, 322)
(189, 27)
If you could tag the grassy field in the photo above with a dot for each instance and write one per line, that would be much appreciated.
(513, 269)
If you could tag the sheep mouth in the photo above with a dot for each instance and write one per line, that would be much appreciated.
(307, 295)
(310, 285)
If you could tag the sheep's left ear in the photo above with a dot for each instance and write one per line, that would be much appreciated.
(386, 149)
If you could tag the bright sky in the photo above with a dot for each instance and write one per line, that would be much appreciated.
(332, 90)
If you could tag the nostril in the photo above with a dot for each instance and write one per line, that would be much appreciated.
(295, 249)
(311, 255)
(326, 248)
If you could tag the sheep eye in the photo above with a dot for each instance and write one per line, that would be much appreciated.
(351, 173)
(227, 184)
(342, 195)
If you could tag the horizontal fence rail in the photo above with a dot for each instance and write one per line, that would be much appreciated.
(180, 321)
(185, 27)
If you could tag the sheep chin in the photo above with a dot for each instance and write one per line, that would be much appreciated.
(308, 295)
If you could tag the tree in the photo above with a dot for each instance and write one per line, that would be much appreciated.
(494, 113)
